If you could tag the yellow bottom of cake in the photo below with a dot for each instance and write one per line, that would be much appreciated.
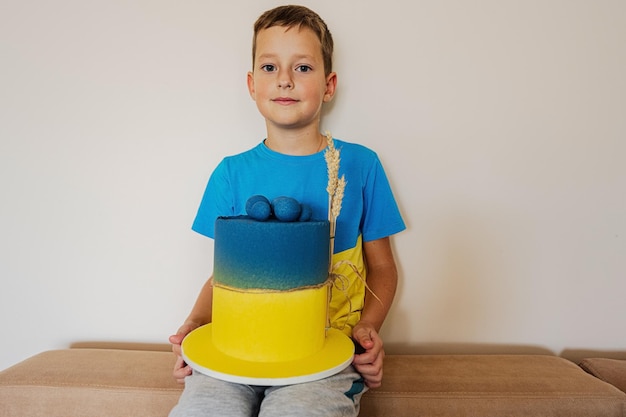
(269, 326)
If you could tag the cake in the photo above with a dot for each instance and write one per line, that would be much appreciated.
(270, 288)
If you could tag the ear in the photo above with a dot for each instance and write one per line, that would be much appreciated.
(331, 86)
(251, 89)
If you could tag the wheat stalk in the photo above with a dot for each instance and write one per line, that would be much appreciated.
(338, 197)
(335, 188)
(332, 166)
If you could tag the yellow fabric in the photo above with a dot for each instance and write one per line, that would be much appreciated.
(348, 290)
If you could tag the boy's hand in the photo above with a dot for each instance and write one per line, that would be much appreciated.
(369, 363)
(181, 369)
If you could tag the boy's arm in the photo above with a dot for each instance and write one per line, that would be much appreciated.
(382, 278)
(200, 315)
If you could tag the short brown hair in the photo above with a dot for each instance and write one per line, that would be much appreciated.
(297, 16)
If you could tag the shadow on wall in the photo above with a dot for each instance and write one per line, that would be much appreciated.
(576, 355)
(464, 349)
(159, 347)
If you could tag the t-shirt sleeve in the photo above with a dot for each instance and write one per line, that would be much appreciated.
(216, 201)
(382, 216)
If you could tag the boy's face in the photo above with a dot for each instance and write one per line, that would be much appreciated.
(288, 81)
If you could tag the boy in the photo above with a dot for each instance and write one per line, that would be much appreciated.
(291, 79)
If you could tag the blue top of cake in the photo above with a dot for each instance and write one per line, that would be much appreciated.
(261, 251)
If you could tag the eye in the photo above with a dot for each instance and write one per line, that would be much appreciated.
(303, 68)
(268, 68)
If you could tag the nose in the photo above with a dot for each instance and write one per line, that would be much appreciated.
(284, 79)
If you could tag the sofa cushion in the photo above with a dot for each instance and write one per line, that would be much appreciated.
(612, 371)
(490, 385)
(90, 382)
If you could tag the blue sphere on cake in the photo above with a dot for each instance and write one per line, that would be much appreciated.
(258, 207)
(286, 209)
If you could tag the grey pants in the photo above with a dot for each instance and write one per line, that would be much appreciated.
(335, 396)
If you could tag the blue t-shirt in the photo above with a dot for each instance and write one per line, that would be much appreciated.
(368, 211)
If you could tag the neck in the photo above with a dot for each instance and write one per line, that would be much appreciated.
(296, 143)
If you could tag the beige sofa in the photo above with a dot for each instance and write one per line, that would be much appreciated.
(135, 380)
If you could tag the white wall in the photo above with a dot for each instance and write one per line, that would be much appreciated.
(502, 125)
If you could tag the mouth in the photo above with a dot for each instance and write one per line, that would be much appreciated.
(285, 101)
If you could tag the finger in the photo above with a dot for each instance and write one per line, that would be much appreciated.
(182, 374)
(179, 364)
(370, 368)
(372, 375)
(372, 371)
(374, 382)
(181, 370)
(376, 353)
(363, 337)
(182, 331)
(364, 358)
